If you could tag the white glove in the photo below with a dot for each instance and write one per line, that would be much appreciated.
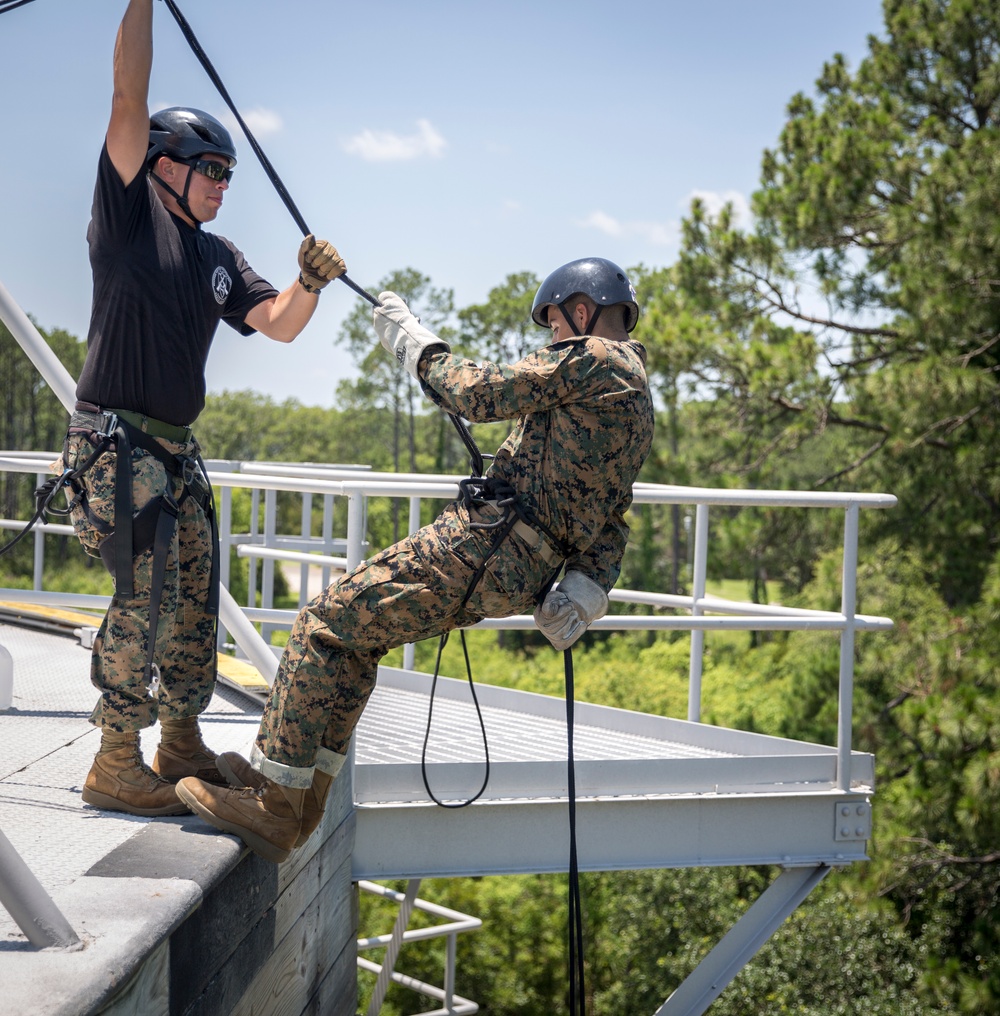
(563, 616)
(402, 334)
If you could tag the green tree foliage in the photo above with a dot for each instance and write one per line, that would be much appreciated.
(31, 417)
(862, 299)
(383, 384)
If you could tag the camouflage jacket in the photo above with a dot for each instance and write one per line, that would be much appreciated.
(584, 426)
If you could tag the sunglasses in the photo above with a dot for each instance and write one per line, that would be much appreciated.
(207, 167)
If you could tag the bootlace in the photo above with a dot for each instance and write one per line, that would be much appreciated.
(139, 765)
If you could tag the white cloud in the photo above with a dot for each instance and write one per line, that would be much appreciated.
(385, 146)
(657, 233)
(262, 122)
(663, 234)
(714, 202)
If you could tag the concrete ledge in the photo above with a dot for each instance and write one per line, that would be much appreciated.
(176, 918)
(121, 921)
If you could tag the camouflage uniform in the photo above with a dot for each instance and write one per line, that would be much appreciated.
(185, 636)
(584, 425)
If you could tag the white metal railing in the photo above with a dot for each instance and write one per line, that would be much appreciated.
(702, 612)
(453, 1005)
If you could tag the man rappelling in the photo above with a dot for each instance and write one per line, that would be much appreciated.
(553, 498)
(140, 498)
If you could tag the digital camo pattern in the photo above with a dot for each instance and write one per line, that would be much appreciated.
(411, 591)
(185, 637)
(584, 427)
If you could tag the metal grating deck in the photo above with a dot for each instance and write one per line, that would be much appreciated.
(393, 726)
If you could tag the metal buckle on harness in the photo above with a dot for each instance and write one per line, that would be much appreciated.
(154, 673)
(107, 424)
(537, 542)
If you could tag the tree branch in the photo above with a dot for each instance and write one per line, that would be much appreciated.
(778, 303)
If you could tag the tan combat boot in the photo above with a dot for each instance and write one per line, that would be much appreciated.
(119, 780)
(268, 820)
(239, 773)
(182, 752)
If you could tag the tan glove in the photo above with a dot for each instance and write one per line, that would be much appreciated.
(402, 334)
(563, 616)
(320, 264)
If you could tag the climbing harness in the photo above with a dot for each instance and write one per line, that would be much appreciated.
(154, 524)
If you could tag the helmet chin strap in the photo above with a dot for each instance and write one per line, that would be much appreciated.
(564, 307)
(182, 199)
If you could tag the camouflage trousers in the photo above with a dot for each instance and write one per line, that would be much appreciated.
(185, 633)
(411, 591)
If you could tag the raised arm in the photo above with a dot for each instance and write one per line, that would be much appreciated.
(128, 130)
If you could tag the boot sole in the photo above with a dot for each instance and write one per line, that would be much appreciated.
(260, 846)
(205, 775)
(99, 800)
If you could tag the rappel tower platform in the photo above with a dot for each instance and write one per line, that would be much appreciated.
(148, 897)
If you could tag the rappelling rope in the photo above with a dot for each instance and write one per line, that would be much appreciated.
(9, 5)
(199, 52)
(577, 994)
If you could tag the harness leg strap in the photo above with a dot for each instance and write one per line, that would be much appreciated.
(121, 541)
(165, 525)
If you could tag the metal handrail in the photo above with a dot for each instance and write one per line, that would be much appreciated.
(454, 1005)
(702, 611)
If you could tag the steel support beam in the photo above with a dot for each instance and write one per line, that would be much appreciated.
(707, 981)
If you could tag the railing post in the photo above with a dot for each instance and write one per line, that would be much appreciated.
(697, 593)
(355, 528)
(848, 607)
(327, 537)
(305, 570)
(254, 524)
(449, 973)
(267, 568)
(392, 949)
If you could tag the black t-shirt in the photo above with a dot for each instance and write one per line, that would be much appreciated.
(160, 289)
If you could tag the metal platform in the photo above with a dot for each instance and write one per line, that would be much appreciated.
(652, 792)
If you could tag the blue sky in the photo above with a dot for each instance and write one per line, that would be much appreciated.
(468, 140)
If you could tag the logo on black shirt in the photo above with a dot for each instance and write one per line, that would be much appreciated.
(221, 284)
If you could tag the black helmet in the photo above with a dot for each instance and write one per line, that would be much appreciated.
(602, 280)
(187, 133)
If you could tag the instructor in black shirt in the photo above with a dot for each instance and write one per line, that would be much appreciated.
(143, 503)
